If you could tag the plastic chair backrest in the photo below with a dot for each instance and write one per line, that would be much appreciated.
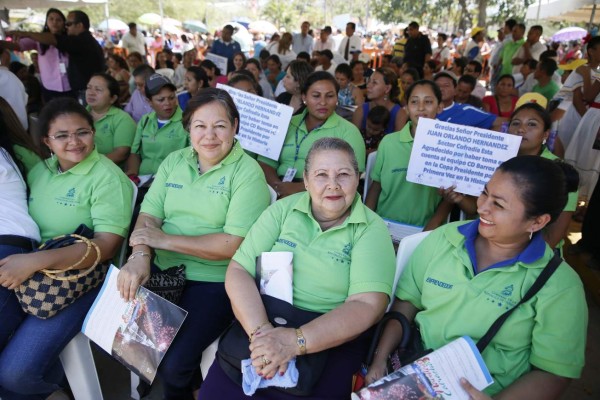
(405, 249)
(273, 194)
(369, 167)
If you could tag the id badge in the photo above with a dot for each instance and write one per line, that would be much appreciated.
(289, 175)
(62, 67)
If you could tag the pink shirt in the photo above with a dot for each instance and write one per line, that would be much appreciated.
(52, 78)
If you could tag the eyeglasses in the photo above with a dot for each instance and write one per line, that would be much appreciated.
(64, 137)
(70, 23)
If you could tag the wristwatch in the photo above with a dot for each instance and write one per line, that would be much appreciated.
(300, 341)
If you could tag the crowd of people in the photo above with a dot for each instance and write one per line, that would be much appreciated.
(151, 114)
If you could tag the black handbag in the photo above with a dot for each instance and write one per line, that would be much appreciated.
(411, 346)
(168, 284)
(47, 292)
(234, 345)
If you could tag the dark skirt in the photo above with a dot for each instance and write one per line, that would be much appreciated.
(335, 383)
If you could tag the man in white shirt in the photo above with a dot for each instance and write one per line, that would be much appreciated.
(303, 41)
(350, 43)
(531, 49)
(324, 42)
(13, 90)
(134, 41)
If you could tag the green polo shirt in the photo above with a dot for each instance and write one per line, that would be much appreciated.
(115, 129)
(547, 332)
(400, 200)
(573, 196)
(354, 257)
(547, 91)
(153, 145)
(299, 138)
(228, 198)
(27, 157)
(95, 192)
(508, 52)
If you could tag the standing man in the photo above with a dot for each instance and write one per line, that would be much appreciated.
(303, 41)
(504, 36)
(472, 49)
(134, 41)
(510, 48)
(324, 42)
(226, 47)
(417, 49)
(531, 49)
(85, 54)
(350, 44)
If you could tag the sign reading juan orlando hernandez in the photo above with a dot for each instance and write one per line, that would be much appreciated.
(446, 154)
(263, 122)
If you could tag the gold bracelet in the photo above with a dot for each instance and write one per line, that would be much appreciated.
(141, 253)
(301, 341)
(251, 336)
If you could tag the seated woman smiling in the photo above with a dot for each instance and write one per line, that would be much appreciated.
(202, 203)
(487, 266)
(334, 239)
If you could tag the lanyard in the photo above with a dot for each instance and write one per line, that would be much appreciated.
(304, 137)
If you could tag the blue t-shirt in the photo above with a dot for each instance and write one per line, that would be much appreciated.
(465, 114)
(183, 99)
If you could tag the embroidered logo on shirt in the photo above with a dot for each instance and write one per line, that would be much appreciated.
(397, 170)
(71, 192)
(347, 249)
(286, 242)
(441, 284)
(222, 181)
(173, 185)
(508, 291)
(501, 298)
(69, 199)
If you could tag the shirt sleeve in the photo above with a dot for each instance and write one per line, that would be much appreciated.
(379, 160)
(111, 207)
(154, 201)
(249, 198)
(366, 275)
(479, 118)
(261, 237)
(560, 328)
(136, 146)
(125, 130)
(72, 44)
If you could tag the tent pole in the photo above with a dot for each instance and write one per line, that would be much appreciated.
(537, 18)
(592, 16)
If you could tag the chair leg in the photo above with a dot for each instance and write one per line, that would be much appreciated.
(79, 366)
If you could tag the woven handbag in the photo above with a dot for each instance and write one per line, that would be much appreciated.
(47, 291)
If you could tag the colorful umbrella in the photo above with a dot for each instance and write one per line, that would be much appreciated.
(567, 34)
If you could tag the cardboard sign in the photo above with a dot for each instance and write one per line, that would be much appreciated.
(263, 123)
(446, 154)
(220, 62)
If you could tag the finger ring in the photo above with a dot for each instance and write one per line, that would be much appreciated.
(266, 361)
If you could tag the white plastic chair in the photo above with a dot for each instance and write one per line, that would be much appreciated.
(369, 167)
(77, 358)
(273, 194)
(80, 369)
(405, 249)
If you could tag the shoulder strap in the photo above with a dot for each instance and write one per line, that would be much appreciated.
(537, 285)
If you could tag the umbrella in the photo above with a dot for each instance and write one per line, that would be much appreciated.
(567, 34)
(171, 22)
(168, 28)
(113, 24)
(244, 21)
(262, 27)
(195, 26)
(149, 19)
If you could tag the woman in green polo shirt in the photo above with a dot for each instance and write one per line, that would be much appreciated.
(319, 120)
(334, 239)
(75, 186)
(464, 275)
(115, 129)
(158, 133)
(390, 194)
(203, 201)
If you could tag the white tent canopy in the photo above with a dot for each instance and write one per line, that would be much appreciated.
(573, 11)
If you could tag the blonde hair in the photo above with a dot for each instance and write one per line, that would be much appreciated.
(285, 43)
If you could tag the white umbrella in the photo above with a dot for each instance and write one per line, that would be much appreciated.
(113, 24)
(171, 22)
(168, 28)
(262, 27)
(195, 26)
(152, 19)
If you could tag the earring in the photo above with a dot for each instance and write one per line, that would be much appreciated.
(52, 155)
(530, 234)
(544, 141)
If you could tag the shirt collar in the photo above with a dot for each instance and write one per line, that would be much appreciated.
(405, 135)
(357, 211)
(177, 116)
(234, 155)
(82, 168)
(111, 111)
(533, 252)
(331, 122)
